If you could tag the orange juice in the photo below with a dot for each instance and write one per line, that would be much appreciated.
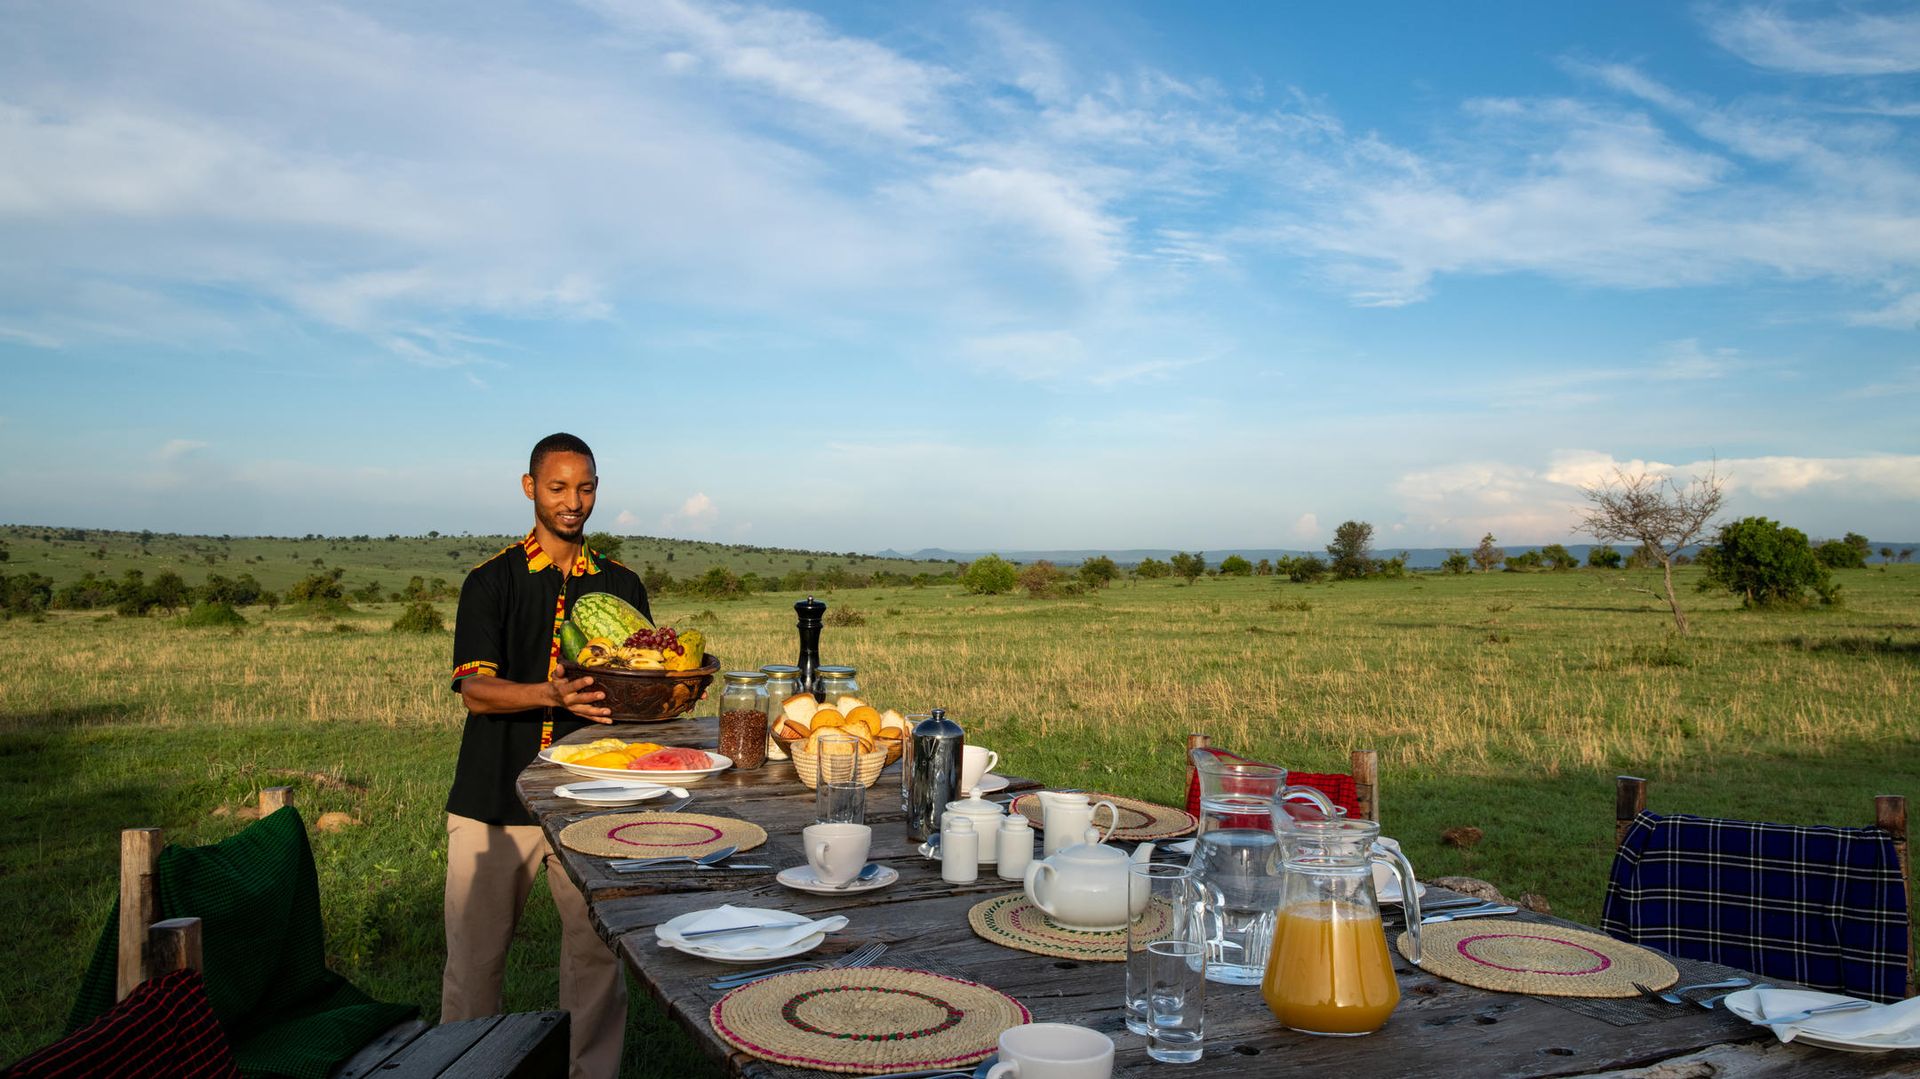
(1329, 971)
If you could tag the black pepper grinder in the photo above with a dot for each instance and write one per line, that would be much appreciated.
(810, 612)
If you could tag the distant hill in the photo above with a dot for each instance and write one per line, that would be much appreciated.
(1417, 557)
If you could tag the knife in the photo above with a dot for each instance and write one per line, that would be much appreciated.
(742, 929)
(1470, 912)
(1795, 1017)
(683, 865)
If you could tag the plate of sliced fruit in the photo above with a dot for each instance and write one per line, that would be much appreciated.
(650, 762)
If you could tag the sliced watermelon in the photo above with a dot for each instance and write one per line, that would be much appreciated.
(671, 759)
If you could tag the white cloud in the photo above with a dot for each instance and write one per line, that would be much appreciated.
(627, 519)
(1846, 43)
(1686, 360)
(176, 448)
(1306, 528)
(698, 514)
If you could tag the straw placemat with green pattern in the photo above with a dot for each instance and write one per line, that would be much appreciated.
(1546, 960)
(866, 1021)
(1012, 920)
(1138, 820)
(659, 835)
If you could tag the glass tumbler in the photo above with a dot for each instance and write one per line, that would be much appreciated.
(1165, 903)
(1176, 1000)
(838, 795)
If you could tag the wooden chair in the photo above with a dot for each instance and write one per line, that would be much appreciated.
(1889, 815)
(527, 1045)
(1366, 775)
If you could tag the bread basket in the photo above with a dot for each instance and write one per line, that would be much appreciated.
(806, 765)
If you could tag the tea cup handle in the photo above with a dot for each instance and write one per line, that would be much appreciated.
(993, 761)
(1004, 1068)
(1113, 818)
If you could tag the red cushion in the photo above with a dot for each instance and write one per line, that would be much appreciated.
(165, 1029)
(1339, 789)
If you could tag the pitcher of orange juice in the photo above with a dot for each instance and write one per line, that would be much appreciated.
(1329, 970)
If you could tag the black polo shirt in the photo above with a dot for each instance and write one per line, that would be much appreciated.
(511, 607)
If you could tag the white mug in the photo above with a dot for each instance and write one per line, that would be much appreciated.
(1053, 1051)
(975, 763)
(837, 852)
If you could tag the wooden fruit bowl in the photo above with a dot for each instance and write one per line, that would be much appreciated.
(648, 696)
(806, 766)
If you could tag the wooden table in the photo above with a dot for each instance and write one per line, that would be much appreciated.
(1441, 1029)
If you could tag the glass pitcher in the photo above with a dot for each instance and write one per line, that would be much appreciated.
(1329, 970)
(1238, 856)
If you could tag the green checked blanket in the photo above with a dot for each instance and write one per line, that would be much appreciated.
(258, 898)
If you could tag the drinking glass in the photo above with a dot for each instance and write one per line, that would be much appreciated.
(838, 795)
(1172, 911)
(1176, 1000)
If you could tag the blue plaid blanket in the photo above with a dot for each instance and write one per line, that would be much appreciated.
(1825, 907)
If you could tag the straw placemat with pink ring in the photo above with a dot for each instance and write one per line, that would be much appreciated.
(866, 1021)
(659, 835)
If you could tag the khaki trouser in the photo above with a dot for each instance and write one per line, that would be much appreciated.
(490, 870)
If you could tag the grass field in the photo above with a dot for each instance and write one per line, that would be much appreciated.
(1504, 701)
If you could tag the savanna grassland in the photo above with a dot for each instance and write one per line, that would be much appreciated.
(1502, 701)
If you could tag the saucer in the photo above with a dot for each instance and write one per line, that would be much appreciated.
(667, 934)
(616, 796)
(802, 878)
(990, 783)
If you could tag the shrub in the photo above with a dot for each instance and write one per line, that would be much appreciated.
(1098, 572)
(1304, 569)
(1190, 566)
(1839, 554)
(1455, 563)
(320, 588)
(989, 575)
(842, 614)
(1152, 569)
(1604, 557)
(1351, 551)
(419, 617)
(212, 613)
(25, 594)
(1766, 564)
(1235, 566)
(717, 583)
(1558, 557)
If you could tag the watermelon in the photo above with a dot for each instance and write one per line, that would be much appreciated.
(671, 759)
(603, 614)
(572, 640)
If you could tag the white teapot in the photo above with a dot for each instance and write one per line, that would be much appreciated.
(1086, 886)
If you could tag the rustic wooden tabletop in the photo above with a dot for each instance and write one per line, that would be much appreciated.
(1441, 1028)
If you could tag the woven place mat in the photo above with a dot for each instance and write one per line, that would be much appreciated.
(659, 835)
(1138, 820)
(866, 1021)
(1545, 960)
(1013, 921)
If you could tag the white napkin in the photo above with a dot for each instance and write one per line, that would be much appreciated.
(789, 929)
(1874, 1021)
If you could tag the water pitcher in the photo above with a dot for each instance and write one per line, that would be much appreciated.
(1238, 856)
(1329, 970)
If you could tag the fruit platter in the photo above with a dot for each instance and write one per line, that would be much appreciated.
(649, 673)
(612, 758)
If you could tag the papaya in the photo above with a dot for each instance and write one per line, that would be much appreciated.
(695, 644)
(572, 640)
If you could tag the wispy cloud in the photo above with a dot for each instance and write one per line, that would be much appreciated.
(1843, 43)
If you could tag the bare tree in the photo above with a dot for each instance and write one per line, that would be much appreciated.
(1659, 514)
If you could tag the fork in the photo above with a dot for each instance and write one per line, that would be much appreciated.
(862, 956)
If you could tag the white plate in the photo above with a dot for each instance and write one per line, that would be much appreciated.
(990, 783)
(1743, 1005)
(722, 762)
(802, 878)
(667, 933)
(1390, 892)
(639, 792)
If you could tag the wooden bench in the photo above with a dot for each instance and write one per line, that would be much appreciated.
(526, 1045)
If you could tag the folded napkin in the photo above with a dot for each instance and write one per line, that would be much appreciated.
(1876, 1021)
(789, 929)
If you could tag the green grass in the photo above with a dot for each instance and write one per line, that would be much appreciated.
(1506, 702)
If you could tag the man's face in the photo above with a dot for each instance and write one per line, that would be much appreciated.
(562, 493)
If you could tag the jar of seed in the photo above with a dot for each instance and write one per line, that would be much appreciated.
(743, 718)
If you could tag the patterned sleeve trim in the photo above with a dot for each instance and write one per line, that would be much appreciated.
(478, 666)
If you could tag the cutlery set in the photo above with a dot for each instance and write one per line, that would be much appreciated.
(863, 956)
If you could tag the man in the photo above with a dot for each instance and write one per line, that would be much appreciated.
(506, 647)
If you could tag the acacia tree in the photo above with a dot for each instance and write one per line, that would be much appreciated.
(1190, 566)
(1659, 514)
(1488, 555)
(1351, 552)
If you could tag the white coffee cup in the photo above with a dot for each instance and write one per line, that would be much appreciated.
(975, 763)
(1053, 1051)
(837, 852)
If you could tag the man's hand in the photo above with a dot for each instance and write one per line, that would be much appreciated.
(487, 694)
(577, 696)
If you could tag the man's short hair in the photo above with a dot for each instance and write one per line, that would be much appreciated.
(559, 442)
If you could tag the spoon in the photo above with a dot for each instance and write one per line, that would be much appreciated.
(867, 872)
(705, 859)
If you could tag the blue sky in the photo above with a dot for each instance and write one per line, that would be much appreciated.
(1009, 275)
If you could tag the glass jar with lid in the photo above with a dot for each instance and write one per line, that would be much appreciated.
(835, 682)
(783, 681)
(743, 718)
